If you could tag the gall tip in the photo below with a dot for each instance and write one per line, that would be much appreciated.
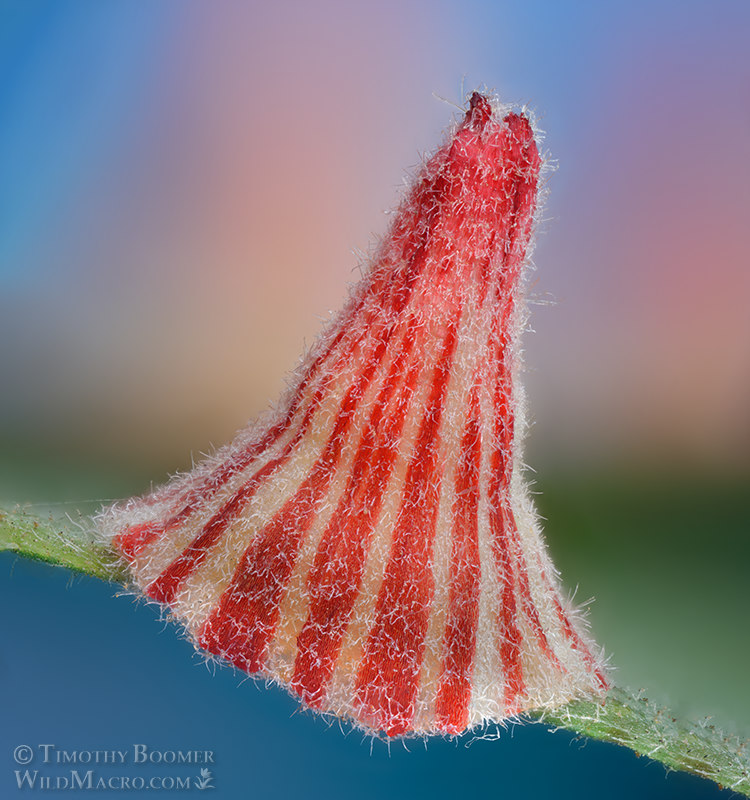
(480, 111)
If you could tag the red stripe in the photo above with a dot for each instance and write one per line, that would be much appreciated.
(336, 575)
(454, 692)
(528, 606)
(165, 587)
(246, 617)
(572, 635)
(132, 540)
(509, 558)
(504, 533)
(501, 522)
(510, 635)
(245, 620)
(504, 433)
(388, 675)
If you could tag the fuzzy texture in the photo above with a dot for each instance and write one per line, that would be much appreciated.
(372, 545)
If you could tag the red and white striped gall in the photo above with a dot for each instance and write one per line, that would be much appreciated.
(373, 546)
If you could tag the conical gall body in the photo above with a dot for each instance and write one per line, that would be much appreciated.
(372, 547)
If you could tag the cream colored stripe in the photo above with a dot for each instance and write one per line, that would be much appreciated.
(203, 588)
(169, 500)
(488, 681)
(157, 556)
(450, 435)
(296, 602)
(341, 689)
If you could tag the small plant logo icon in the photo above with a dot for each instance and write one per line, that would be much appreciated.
(205, 780)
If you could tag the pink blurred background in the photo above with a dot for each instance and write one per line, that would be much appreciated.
(185, 187)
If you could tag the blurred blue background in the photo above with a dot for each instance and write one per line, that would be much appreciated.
(183, 187)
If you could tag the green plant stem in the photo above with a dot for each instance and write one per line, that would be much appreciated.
(636, 723)
(621, 718)
(59, 542)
